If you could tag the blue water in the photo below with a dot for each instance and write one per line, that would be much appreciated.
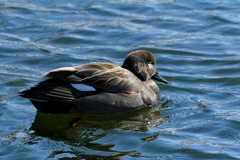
(197, 47)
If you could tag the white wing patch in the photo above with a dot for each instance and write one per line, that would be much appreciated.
(83, 87)
(67, 69)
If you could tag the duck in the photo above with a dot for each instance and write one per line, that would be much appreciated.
(99, 87)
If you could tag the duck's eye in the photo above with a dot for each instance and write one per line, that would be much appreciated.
(152, 63)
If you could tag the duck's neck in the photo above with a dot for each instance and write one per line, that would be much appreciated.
(135, 70)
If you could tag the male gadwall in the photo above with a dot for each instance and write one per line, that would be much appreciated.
(99, 87)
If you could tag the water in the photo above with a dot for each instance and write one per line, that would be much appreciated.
(197, 47)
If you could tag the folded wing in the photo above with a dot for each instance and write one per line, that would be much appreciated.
(102, 76)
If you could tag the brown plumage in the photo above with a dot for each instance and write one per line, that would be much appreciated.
(115, 88)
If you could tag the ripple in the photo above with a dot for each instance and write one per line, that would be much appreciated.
(196, 45)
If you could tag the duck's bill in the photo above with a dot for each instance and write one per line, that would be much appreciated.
(159, 78)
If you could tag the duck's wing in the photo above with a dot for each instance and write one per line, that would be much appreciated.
(100, 75)
(52, 90)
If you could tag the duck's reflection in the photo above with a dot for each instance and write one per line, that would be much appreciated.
(85, 129)
(137, 121)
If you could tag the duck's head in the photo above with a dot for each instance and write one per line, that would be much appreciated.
(143, 64)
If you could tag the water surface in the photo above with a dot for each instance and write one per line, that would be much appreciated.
(197, 47)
